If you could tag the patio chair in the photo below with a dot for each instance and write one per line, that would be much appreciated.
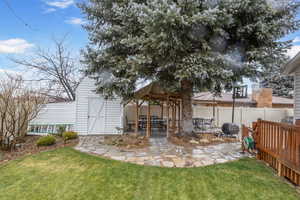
(207, 123)
(197, 123)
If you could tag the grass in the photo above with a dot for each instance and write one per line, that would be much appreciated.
(66, 174)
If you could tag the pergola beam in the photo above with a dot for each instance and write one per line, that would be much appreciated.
(168, 117)
(137, 116)
(155, 91)
(148, 121)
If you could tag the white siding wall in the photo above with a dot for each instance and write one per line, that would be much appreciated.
(77, 112)
(56, 113)
(82, 93)
(113, 116)
(297, 94)
(113, 109)
(243, 115)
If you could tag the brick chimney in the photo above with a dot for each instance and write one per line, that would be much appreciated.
(262, 97)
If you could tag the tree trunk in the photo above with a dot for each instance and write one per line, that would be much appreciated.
(187, 111)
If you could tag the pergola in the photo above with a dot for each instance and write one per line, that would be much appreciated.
(173, 101)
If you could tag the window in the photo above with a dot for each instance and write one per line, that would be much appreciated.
(31, 128)
(43, 128)
(48, 128)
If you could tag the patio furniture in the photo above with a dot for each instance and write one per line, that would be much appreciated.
(230, 129)
(157, 123)
(202, 123)
(207, 123)
(129, 124)
(196, 123)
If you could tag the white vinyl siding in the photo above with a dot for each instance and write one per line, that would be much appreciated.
(52, 113)
(297, 94)
(76, 114)
(110, 116)
(52, 116)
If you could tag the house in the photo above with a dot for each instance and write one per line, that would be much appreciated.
(293, 68)
(260, 98)
(89, 114)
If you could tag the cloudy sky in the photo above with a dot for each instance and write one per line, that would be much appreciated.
(26, 24)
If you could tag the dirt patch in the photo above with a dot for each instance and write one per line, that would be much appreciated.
(28, 146)
(203, 139)
(127, 141)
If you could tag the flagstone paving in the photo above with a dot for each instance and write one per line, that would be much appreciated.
(163, 153)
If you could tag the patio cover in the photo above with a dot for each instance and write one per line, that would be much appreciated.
(155, 91)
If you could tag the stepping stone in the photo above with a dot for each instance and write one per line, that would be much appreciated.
(170, 156)
(200, 156)
(208, 162)
(141, 154)
(198, 164)
(179, 162)
(197, 151)
(100, 151)
(167, 164)
(121, 158)
(221, 160)
(204, 140)
(193, 142)
(152, 163)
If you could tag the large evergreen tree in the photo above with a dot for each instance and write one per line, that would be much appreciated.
(272, 76)
(281, 84)
(187, 45)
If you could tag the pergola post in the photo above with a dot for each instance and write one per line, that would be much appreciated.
(148, 121)
(168, 116)
(162, 110)
(179, 116)
(137, 117)
(173, 118)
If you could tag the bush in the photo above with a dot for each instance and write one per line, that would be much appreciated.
(60, 130)
(46, 140)
(69, 135)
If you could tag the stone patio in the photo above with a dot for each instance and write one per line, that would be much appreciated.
(163, 153)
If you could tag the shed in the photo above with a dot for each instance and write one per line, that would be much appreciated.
(293, 68)
(89, 114)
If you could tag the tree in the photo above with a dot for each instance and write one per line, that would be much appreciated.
(282, 85)
(186, 45)
(19, 104)
(272, 76)
(57, 69)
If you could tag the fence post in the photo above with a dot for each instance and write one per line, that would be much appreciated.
(279, 172)
(257, 131)
(245, 133)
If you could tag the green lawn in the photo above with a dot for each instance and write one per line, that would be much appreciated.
(68, 174)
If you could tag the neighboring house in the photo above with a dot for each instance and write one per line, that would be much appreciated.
(260, 98)
(293, 68)
(89, 114)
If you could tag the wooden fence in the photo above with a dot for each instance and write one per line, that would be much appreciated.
(278, 145)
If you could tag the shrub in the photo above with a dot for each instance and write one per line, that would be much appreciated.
(69, 135)
(60, 130)
(46, 140)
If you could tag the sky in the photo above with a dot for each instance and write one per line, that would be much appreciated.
(28, 24)
(45, 19)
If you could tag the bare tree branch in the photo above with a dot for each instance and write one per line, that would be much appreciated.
(57, 68)
(19, 104)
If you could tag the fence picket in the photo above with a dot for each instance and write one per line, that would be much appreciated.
(278, 144)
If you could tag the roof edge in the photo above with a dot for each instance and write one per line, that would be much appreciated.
(289, 67)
